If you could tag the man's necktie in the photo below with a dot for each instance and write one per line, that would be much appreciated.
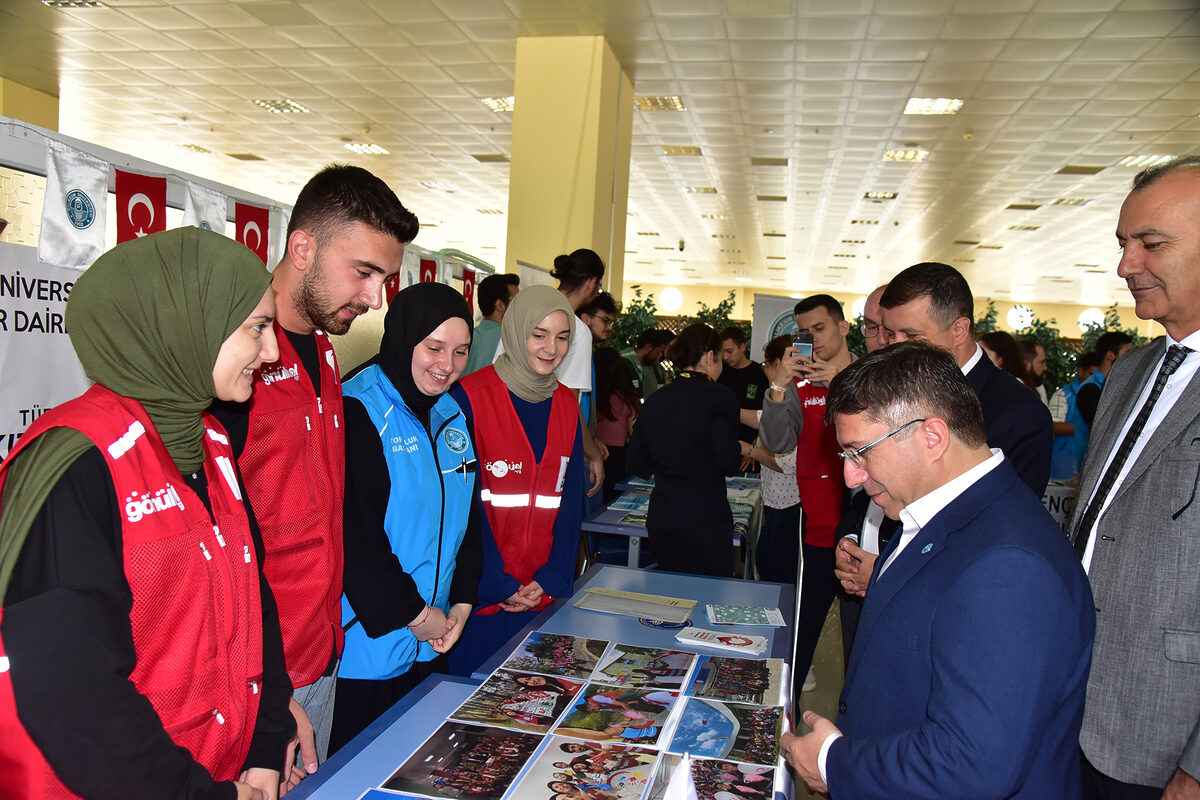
(1175, 356)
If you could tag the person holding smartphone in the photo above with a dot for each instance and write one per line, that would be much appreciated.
(794, 416)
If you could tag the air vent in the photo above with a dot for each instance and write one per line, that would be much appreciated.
(1024, 227)
(283, 106)
(773, 233)
(864, 222)
(681, 150)
(490, 158)
(245, 156)
(768, 162)
(1078, 169)
(967, 242)
(1070, 201)
(659, 103)
(193, 148)
(879, 196)
(1023, 206)
(700, 189)
(991, 247)
(492, 211)
(772, 198)
(647, 233)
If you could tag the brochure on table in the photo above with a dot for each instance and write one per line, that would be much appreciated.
(572, 718)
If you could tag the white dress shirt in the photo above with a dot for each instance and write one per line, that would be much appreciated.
(1166, 401)
(973, 360)
(915, 516)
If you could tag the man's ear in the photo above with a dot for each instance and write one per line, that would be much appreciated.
(936, 437)
(844, 327)
(301, 249)
(961, 328)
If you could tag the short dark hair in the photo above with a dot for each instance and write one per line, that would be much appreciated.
(665, 336)
(575, 269)
(341, 194)
(1111, 342)
(690, 346)
(906, 381)
(735, 333)
(601, 302)
(949, 295)
(647, 338)
(1029, 348)
(1088, 360)
(1004, 345)
(774, 349)
(493, 289)
(1151, 175)
(825, 301)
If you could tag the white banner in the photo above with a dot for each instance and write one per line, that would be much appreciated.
(772, 317)
(74, 209)
(38, 367)
(204, 208)
(278, 244)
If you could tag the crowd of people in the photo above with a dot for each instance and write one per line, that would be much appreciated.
(224, 561)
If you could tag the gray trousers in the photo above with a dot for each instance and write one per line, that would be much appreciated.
(317, 700)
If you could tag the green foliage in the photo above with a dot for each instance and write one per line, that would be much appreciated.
(636, 316)
(717, 317)
(855, 339)
(1112, 322)
(988, 322)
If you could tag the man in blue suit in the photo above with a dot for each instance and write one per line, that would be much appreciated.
(969, 669)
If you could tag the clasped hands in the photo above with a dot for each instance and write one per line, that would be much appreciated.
(524, 599)
(440, 629)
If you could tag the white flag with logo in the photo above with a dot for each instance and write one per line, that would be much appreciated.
(73, 213)
(681, 786)
(278, 245)
(204, 208)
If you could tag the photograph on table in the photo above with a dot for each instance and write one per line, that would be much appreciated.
(716, 779)
(522, 700)
(557, 654)
(711, 729)
(385, 794)
(618, 714)
(461, 760)
(738, 680)
(569, 769)
(648, 667)
(634, 518)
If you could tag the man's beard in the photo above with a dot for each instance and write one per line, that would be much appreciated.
(314, 304)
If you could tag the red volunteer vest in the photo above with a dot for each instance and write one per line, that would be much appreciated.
(197, 613)
(818, 469)
(294, 467)
(520, 496)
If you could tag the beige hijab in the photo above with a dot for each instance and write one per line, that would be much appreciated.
(527, 309)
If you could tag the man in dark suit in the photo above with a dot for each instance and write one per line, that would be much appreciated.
(968, 675)
(932, 302)
(1137, 524)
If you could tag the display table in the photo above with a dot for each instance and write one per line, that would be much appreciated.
(562, 616)
(625, 516)
(376, 753)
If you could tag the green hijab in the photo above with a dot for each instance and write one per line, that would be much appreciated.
(147, 320)
(527, 309)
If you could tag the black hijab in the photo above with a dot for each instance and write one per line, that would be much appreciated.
(414, 313)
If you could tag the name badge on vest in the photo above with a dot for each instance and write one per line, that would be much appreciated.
(562, 473)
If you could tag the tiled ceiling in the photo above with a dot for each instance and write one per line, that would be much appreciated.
(792, 105)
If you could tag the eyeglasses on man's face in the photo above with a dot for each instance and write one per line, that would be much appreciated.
(869, 329)
(854, 456)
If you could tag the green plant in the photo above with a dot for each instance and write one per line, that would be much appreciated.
(717, 317)
(855, 339)
(988, 322)
(636, 316)
(1112, 322)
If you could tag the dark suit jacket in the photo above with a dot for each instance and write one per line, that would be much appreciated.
(1017, 422)
(969, 670)
(1143, 703)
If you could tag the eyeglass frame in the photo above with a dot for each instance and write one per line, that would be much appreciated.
(855, 456)
(865, 328)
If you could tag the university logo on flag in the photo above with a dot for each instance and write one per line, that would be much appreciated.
(204, 208)
(253, 225)
(469, 286)
(141, 205)
(74, 209)
(428, 270)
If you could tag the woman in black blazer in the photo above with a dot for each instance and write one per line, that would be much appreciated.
(686, 437)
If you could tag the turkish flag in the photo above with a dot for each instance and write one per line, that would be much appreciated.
(469, 286)
(390, 287)
(428, 270)
(252, 225)
(141, 205)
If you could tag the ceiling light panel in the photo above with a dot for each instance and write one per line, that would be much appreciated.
(366, 149)
(905, 155)
(659, 103)
(283, 106)
(681, 150)
(499, 104)
(927, 106)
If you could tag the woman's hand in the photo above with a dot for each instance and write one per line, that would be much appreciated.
(257, 783)
(455, 621)
(429, 624)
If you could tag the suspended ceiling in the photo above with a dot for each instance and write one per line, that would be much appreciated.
(1056, 93)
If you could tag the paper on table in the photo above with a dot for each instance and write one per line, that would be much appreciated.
(635, 604)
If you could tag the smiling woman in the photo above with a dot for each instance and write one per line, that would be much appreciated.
(411, 532)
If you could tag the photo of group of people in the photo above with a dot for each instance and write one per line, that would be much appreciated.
(462, 760)
(739, 680)
(729, 730)
(557, 654)
(568, 769)
(522, 700)
(716, 779)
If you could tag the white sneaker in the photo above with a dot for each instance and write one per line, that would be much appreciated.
(810, 681)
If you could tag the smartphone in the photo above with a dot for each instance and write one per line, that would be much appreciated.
(803, 342)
